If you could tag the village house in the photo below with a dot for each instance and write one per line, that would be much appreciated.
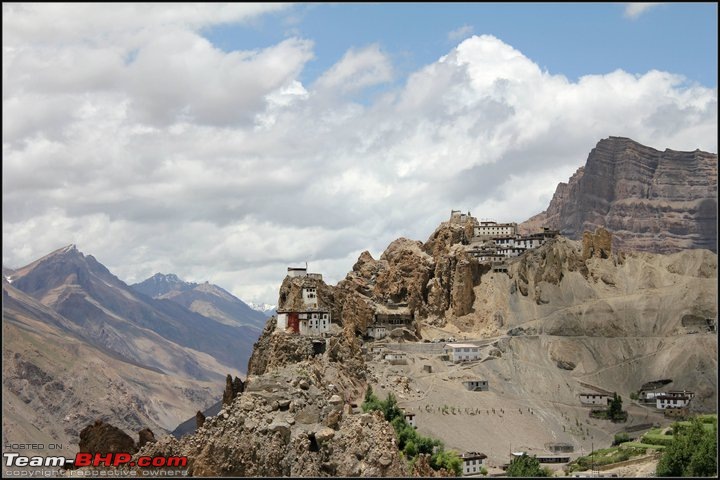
(462, 352)
(410, 419)
(477, 385)
(472, 462)
(674, 399)
(387, 317)
(396, 358)
(595, 398)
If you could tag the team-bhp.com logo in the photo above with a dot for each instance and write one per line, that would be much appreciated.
(93, 460)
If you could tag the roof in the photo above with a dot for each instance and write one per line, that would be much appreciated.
(472, 455)
(461, 345)
(598, 394)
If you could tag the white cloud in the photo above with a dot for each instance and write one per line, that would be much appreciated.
(460, 33)
(356, 70)
(223, 166)
(633, 10)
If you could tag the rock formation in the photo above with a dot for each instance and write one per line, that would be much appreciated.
(102, 437)
(199, 420)
(650, 200)
(145, 436)
(597, 245)
(232, 389)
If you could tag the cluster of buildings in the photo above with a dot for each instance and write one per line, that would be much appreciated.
(493, 243)
(674, 399)
(310, 317)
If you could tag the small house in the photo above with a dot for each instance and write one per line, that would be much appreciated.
(462, 352)
(410, 419)
(477, 385)
(472, 462)
(396, 358)
(595, 398)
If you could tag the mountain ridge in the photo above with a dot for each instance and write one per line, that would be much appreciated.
(651, 200)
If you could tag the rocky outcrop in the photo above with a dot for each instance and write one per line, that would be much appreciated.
(102, 437)
(199, 420)
(232, 389)
(291, 422)
(145, 436)
(597, 245)
(651, 200)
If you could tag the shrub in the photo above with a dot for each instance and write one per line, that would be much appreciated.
(621, 438)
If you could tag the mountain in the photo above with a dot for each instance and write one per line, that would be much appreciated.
(55, 382)
(264, 308)
(159, 334)
(204, 298)
(651, 200)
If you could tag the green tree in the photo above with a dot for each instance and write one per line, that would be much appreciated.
(615, 409)
(692, 452)
(390, 408)
(525, 466)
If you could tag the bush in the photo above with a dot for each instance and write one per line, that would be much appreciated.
(410, 443)
(621, 438)
(525, 466)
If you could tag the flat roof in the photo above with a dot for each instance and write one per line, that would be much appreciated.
(461, 345)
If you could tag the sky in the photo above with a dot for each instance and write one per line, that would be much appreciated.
(226, 142)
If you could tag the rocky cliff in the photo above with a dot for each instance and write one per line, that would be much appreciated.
(651, 200)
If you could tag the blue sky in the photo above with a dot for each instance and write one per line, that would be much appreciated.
(568, 39)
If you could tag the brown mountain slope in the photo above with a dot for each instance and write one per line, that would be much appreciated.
(158, 333)
(55, 382)
(651, 200)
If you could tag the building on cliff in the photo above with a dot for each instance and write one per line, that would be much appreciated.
(303, 314)
(456, 216)
(388, 317)
(494, 242)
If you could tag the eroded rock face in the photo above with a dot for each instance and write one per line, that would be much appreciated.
(598, 244)
(291, 422)
(641, 195)
(102, 437)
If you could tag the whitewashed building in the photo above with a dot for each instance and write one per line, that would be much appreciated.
(477, 385)
(473, 462)
(490, 229)
(294, 272)
(314, 323)
(673, 399)
(309, 295)
(462, 352)
(377, 331)
(396, 358)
